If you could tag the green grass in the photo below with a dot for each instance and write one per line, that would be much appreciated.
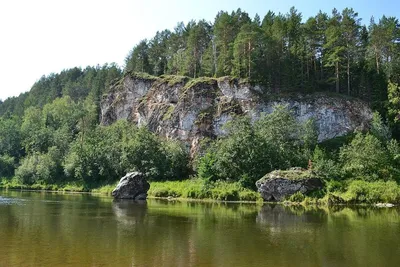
(371, 192)
(105, 190)
(13, 183)
(200, 80)
(186, 189)
(199, 189)
(168, 114)
(173, 80)
(351, 192)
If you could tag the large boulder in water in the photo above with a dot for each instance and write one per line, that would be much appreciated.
(278, 185)
(132, 186)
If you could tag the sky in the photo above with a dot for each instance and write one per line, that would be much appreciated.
(46, 36)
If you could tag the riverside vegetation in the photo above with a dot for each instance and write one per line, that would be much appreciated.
(50, 137)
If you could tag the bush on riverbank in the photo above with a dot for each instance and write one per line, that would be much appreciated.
(252, 149)
(188, 189)
(352, 192)
(371, 192)
(200, 189)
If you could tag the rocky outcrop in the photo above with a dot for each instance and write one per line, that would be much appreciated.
(132, 186)
(278, 185)
(189, 110)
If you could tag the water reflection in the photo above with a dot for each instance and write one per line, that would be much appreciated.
(85, 230)
(129, 212)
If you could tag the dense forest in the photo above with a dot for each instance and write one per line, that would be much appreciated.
(326, 52)
(51, 134)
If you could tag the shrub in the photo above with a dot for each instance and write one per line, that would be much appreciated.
(324, 166)
(200, 189)
(297, 197)
(40, 168)
(249, 151)
(107, 153)
(7, 165)
(365, 158)
(372, 192)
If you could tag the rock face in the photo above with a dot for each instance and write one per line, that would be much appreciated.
(132, 186)
(189, 110)
(278, 185)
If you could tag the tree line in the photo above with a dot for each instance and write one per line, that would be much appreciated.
(77, 83)
(333, 52)
(51, 135)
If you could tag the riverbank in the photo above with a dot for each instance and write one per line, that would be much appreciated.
(335, 193)
(186, 189)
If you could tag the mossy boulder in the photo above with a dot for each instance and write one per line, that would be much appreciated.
(281, 184)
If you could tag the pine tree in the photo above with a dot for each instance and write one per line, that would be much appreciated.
(198, 39)
(138, 59)
(334, 46)
(351, 35)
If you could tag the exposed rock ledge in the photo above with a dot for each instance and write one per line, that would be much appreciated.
(189, 110)
(132, 186)
(278, 185)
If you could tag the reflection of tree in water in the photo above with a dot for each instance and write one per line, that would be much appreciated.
(187, 233)
(335, 236)
(95, 231)
(290, 218)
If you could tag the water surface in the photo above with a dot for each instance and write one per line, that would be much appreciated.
(53, 229)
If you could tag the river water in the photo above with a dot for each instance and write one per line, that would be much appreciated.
(55, 229)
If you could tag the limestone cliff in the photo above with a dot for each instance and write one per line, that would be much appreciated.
(188, 110)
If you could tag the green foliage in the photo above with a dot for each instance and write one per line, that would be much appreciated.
(200, 189)
(51, 134)
(10, 137)
(7, 166)
(379, 129)
(297, 197)
(335, 186)
(249, 151)
(365, 158)
(332, 146)
(107, 153)
(39, 168)
(372, 192)
(325, 166)
(105, 189)
(138, 59)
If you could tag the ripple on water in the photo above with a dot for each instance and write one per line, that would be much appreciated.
(10, 201)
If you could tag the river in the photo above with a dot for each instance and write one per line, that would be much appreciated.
(55, 229)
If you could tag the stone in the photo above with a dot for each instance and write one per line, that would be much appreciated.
(132, 186)
(191, 111)
(278, 185)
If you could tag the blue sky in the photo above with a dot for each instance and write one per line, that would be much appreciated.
(43, 36)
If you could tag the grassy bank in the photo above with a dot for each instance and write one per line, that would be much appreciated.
(351, 193)
(188, 189)
(365, 192)
(335, 193)
(199, 189)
